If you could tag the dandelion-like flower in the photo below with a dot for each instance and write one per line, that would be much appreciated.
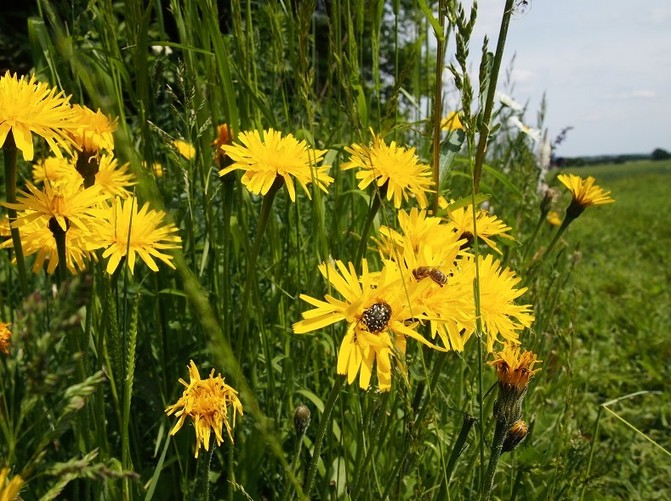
(5, 341)
(27, 107)
(9, 491)
(63, 200)
(378, 308)
(585, 193)
(266, 158)
(501, 317)
(114, 180)
(395, 170)
(486, 226)
(94, 130)
(452, 122)
(184, 148)
(53, 169)
(207, 403)
(37, 238)
(125, 231)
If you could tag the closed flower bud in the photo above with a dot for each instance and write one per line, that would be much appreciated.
(517, 432)
(301, 419)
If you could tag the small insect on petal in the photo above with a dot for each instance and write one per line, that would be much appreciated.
(376, 318)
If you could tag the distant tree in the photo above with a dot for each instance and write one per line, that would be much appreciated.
(660, 154)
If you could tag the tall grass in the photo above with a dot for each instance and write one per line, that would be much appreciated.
(96, 361)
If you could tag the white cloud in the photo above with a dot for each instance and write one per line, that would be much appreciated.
(631, 94)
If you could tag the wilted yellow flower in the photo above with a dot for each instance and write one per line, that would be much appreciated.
(224, 136)
(206, 402)
(125, 231)
(185, 149)
(264, 159)
(395, 170)
(5, 340)
(585, 193)
(452, 122)
(28, 107)
(514, 367)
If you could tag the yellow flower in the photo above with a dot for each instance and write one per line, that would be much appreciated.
(396, 170)
(28, 107)
(125, 232)
(185, 149)
(206, 402)
(5, 339)
(585, 193)
(452, 122)
(417, 231)
(554, 218)
(500, 315)
(378, 308)
(514, 367)
(37, 238)
(265, 159)
(9, 491)
(112, 179)
(486, 225)
(63, 200)
(53, 169)
(94, 130)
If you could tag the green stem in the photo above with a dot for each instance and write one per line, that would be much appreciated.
(491, 89)
(263, 222)
(438, 101)
(372, 212)
(129, 375)
(377, 428)
(497, 448)
(11, 155)
(567, 220)
(321, 432)
(202, 487)
(458, 448)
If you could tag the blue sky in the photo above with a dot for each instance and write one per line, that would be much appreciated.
(605, 67)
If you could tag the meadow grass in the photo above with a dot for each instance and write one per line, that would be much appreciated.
(96, 357)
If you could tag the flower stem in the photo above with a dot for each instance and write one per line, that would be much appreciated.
(491, 89)
(263, 222)
(321, 432)
(500, 433)
(567, 220)
(11, 155)
(202, 487)
(372, 212)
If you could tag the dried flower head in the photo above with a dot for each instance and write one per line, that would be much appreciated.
(207, 403)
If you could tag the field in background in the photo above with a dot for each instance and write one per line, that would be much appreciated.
(621, 315)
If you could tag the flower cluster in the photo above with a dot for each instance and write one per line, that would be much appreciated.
(79, 203)
(427, 278)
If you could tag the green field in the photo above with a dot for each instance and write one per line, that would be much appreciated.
(621, 320)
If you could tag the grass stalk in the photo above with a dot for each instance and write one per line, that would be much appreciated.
(491, 90)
